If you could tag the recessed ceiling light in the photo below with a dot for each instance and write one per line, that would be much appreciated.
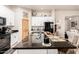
(70, 18)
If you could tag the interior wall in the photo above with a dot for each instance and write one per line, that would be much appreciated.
(60, 18)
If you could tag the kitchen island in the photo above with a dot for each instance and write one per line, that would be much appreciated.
(55, 45)
(60, 45)
(55, 48)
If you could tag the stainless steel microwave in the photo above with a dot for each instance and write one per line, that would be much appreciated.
(2, 21)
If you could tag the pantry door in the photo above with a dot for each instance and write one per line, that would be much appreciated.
(25, 29)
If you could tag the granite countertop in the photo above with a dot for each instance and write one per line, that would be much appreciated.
(55, 45)
(13, 31)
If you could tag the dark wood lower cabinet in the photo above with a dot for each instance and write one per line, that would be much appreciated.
(62, 51)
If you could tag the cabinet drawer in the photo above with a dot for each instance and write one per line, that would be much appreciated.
(14, 39)
(52, 51)
(32, 51)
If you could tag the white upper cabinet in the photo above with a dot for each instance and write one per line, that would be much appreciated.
(39, 17)
(39, 21)
(10, 18)
(8, 14)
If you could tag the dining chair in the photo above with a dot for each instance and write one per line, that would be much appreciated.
(75, 42)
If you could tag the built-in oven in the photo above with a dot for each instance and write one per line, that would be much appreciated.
(4, 43)
(2, 21)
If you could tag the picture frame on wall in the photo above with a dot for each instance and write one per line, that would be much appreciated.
(71, 22)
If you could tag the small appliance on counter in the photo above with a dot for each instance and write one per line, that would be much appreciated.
(55, 28)
(65, 35)
(46, 41)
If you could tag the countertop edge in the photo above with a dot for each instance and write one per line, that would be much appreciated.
(10, 51)
(46, 48)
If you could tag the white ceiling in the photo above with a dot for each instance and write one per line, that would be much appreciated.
(49, 7)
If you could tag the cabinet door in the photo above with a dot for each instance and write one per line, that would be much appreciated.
(32, 51)
(52, 51)
(10, 18)
(14, 39)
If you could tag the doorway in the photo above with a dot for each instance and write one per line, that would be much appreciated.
(25, 29)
